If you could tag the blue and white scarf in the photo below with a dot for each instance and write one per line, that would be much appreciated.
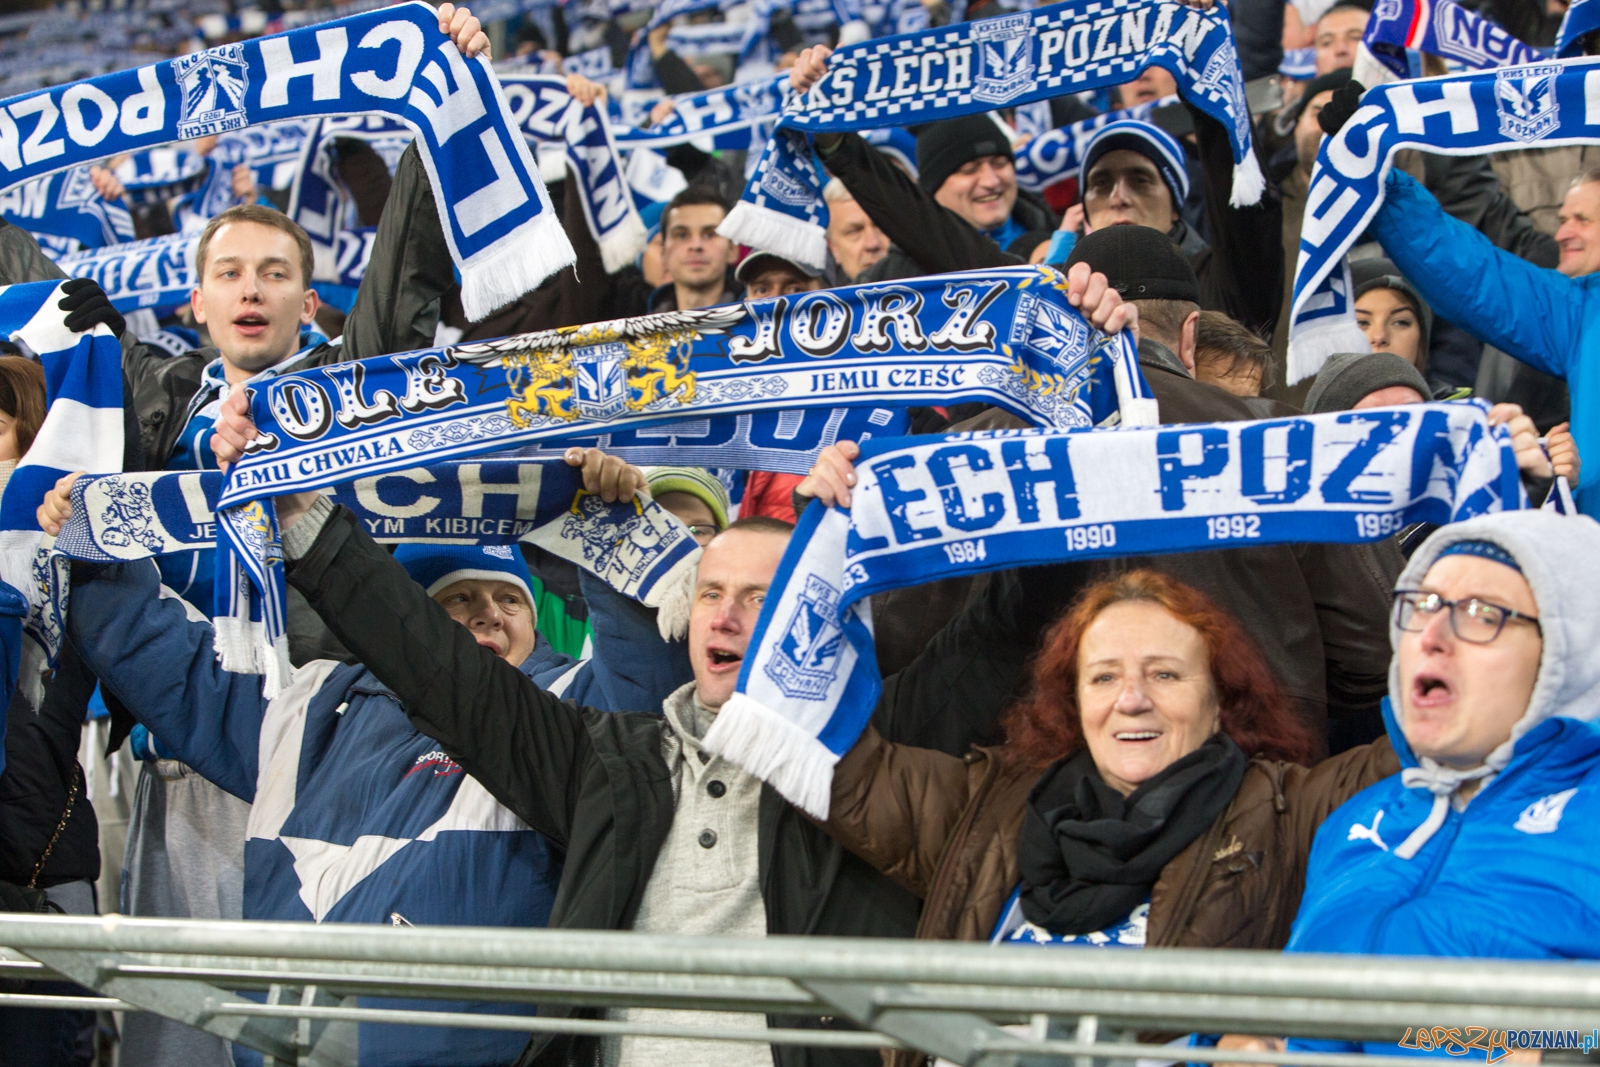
(1008, 337)
(712, 114)
(979, 66)
(158, 272)
(318, 200)
(636, 546)
(82, 430)
(156, 175)
(595, 64)
(65, 214)
(1544, 105)
(1057, 155)
(1440, 28)
(546, 112)
(502, 232)
(970, 503)
(1582, 18)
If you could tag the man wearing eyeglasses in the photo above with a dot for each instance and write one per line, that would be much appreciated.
(1483, 844)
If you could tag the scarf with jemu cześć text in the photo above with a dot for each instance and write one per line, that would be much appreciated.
(1544, 105)
(790, 374)
(1435, 27)
(545, 111)
(970, 503)
(917, 78)
(82, 431)
(636, 546)
(502, 233)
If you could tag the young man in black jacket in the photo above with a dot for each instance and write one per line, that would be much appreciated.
(659, 836)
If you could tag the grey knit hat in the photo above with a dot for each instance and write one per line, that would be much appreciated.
(1349, 376)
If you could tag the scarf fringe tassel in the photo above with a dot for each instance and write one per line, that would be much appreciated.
(775, 750)
(530, 255)
(623, 245)
(1310, 348)
(1248, 181)
(772, 231)
(242, 648)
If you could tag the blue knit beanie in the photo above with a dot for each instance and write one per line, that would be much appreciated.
(436, 566)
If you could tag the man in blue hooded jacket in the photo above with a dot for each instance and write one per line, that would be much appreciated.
(357, 815)
(1493, 694)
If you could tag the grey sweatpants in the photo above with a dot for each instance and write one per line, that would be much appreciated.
(184, 860)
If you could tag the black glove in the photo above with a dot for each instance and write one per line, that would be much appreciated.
(1336, 112)
(87, 304)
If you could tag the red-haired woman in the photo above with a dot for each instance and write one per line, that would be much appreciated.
(1150, 791)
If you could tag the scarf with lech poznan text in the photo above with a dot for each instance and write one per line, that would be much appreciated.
(977, 502)
(1543, 105)
(502, 233)
(917, 78)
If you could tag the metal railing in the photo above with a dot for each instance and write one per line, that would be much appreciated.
(944, 998)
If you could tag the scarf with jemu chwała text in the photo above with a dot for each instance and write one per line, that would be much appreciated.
(1439, 28)
(498, 222)
(969, 503)
(1543, 105)
(82, 431)
(791, 374)
(636, 546)
(545, 111)
(1008, 60)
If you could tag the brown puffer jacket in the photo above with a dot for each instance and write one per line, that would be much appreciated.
(946, 829)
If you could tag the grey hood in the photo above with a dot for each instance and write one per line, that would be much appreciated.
(1558, 556)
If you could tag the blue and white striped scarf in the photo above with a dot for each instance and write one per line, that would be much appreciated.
(970, 503)
(979, 66)
(784, 373)
(1542, 105)
(82, 430)
(546, 112)
(1436, 27)
(502, 232)
(318, 201)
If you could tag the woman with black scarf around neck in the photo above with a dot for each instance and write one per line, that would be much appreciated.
(1150, 791)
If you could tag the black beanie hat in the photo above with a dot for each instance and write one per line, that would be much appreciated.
(1349, 376)
(1140, 263)
(945, 147)
(1334, 79)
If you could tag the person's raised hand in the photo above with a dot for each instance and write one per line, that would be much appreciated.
(464, 29)
(664, 107)
(244, 183)
(611, 477)
(832, 476)
(107, 184)
(1336, 112)
(1073, 220)
(656, 40)
(1101, 304)
(1524, 440)
(1563, 451)
(809, 68)
(88, 306)
(57, 506)
(583, 90)
(234, 429)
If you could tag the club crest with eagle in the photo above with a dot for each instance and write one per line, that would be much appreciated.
(601, 370)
